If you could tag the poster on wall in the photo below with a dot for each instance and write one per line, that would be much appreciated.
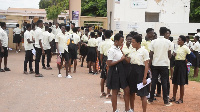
(75, 15)
(139, 4)
(117, 25)
(117, 1)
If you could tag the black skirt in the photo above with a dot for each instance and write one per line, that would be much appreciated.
(73, 53)
(135, 77)
(195, 62)
(92, 54)
(17, 38)
(180, 76)
(83, 50)
(172, 61)
(116, 77)
(104, 70)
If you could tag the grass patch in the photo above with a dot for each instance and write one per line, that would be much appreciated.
(191, 78)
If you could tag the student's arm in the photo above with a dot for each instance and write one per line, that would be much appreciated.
(145, 72)
(151, 58)
(101, 58)
(28, 40)
(40, 42)
(112, 63)
(2, 50)
(57, 48)
(169, 54)
(127, 59)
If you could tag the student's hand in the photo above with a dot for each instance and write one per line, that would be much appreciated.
(123, 58)
(144, 81)
(43, 53)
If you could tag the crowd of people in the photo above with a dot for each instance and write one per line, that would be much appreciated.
(122, 62)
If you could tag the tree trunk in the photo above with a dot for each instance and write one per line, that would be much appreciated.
(55, 21)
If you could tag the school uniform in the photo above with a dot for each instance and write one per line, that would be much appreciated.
(112, 37)
(92, 54)
(55, 31)
(17, 37)
(189, 44)
(4, 43)
(84, 48)
(146, 44)
(116, 78)
(100, 40)
(180, 76)
(104, 47)
(160, 65)
(47, 38)
(62, 40)
(38, 37)
(136, 73)
(28, 50)
(196, 49)
(172, 59)
(76, 39)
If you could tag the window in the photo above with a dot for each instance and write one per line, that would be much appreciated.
(61, 18)
(41, 17)
(31, 17)
(151, 17)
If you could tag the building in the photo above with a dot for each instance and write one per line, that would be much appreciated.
(138, 15)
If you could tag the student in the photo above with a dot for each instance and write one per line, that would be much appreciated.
(92, 53)
(28, 46)
(116, 78)
(46, 42)
(3, 47)
(17, 37)
(62, 47)
(149, 37)
(195, 49)
(90, 30)
(180, 76)
(73, 54)
(112, 36)
(72, 27)
(188, 43)
(104, 47)
(84, 48)
(160, 53)
(172, 59)
(56, 30)
(38, 47)
(100, 40)
(52, 36)
(138, 72)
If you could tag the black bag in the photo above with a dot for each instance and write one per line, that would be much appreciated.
(71, 46)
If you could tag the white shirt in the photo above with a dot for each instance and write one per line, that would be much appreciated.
(75, 38)
(84, 38)
(92, 42)
(105, 46)
(62, 42)
(47, 38)
(56, 31)
(99, 39)
(17, 30)
(189, 44)
(114, 53)
(32, 33)
(38, 36)
(139, 57)
(27, 35)
(196, 46)
(3, 38)
(160, 47)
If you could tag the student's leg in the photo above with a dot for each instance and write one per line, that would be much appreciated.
(127, 98)
(175, 90)
(171, 72)
(144, 103)
(43, 58)
(164, 72)
(5, 61)
(83, 57)
(89, 65)
(30, 61)
(69, 65)
(181, 92)
(158, 89)
(26, 61)
(75, 64)
(37, 61)
(66, 66)
(94, 67)
(48, 57)
(16, 47)
(155, 74)
(114, 99)
(102, 85)
(0, 62)
(132, 100)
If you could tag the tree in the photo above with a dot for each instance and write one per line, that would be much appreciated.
(44, 4)
(94, 8)
(195, 11)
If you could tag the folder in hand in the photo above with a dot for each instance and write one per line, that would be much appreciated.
(140, 85)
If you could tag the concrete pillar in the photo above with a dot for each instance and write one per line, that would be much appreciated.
(74, 5)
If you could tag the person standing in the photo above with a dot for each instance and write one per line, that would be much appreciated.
(46, 42)
(3, 47)
(188, 43)
(84, 48)
(38, 47)
(17, 37)
(56, 30)
(28, 46)
(160, 53)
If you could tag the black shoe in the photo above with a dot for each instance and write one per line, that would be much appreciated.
(7, 69)
(43, 67)
(91, 72)
(81, 65)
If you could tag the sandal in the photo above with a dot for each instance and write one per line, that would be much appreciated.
(179, 101)
(102, 94)
(7, 69)
(25, 72)
(172, 99)
(108, 96)
(39, 75)
(31, 72)
(2, 70)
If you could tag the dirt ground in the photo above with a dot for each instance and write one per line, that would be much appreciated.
(25, 93)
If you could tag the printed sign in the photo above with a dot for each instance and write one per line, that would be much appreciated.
(139, 4)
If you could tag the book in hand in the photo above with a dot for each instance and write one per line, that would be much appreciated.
(140, 85)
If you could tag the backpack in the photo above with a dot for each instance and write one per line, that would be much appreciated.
(71, 46)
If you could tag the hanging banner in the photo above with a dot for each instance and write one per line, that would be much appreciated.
(75, 15)
(139, 4)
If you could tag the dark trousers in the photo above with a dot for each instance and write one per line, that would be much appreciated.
(159, 88)
(28, 59)
(37, 60)
(164, 72)
(53, 46)
(99, 60)
(48, 53)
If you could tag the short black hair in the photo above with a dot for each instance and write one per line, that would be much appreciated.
(197, 37)
(149, 29)
(67, 28)
(99, 33)
(89, 26)
(82, 28)
(92, 34)
(169, 31)
(28, 26)
(87, 30)
(46, 28)
(107, 34)
(121, 32)
(133, 33)
(129, 35)
(75, 29)
(183, 38)
(163, 30)
(50, 23)
(118, 36)
(39, 21)
(138, 38)
(187, 37)
(17, 25)
(111, 31)
(171, 39)
(3, 24)
(50, 30)
(198, 30)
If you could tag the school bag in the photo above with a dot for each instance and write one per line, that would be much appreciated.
(71, 45)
